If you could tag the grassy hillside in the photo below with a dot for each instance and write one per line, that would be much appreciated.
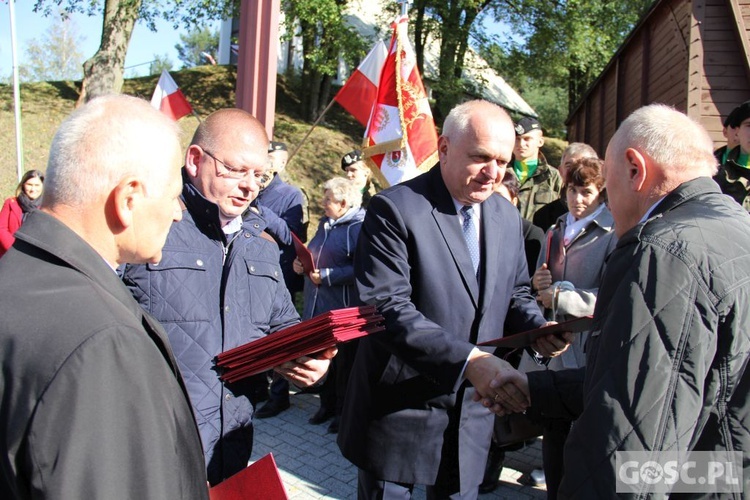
(45, 105)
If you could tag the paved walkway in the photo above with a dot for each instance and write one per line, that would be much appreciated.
(312, 467)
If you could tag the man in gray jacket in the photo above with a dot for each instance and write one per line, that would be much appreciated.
(93, 404)
(667, 360)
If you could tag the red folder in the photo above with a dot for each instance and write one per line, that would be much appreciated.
(259, 481)
(303, 254)
(308, 337)
(524, 339)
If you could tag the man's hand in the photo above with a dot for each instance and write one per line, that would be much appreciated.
(545, 297)
(297, 266)
(552, 345)
(542, 278)
(307, 370)
(510, 384)
(482, 369)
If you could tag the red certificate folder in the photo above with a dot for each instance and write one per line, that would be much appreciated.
(524, 339)
(303, 254)
(259, 481)
(311, 336)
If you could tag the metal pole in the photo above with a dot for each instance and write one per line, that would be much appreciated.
(289, 160)
(16, 92)
(404, 6)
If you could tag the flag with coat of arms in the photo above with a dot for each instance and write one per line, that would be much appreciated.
(400, 140)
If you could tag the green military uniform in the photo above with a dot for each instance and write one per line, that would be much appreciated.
(734, 179)
(542, 187)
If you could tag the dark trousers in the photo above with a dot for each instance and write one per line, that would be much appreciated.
(371, 488)
(555, 434)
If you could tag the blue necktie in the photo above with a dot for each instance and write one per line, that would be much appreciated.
(470, 235)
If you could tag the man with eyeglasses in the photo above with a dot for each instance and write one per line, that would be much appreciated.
(219, 284)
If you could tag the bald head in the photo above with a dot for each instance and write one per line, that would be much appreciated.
(227, 125)
(227, 160)
(654, 151)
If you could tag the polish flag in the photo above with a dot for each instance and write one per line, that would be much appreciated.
(400, 141)
(358, 94)
(169, 99)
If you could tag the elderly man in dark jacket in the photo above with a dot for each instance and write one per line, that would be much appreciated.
(219, 284)
(667, 361)
(93, 404)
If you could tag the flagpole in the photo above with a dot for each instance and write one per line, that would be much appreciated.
(16, 92)
(404, 6)
(315, 124)
(196, 115)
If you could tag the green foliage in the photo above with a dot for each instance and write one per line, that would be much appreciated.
(321, 25)
(56, 56)
(187, 13)
(568, 42)
(194, 44)
(160, 63)
(326, 39)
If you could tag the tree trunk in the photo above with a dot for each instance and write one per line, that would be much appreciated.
(419, 35)
(103, 73)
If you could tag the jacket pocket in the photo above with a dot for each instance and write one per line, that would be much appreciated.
(181, 289)
(263, 282)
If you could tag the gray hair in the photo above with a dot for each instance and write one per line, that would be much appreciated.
(104, 141)
(579, 150)
(342, 189)
(670, 138)
(458, 119)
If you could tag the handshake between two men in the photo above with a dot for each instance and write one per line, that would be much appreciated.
(502, 388)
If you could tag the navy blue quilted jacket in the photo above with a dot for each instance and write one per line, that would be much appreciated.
(333, 252)
(210, 301)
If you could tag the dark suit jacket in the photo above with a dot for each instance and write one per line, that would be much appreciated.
(413, 263)
(93, 403)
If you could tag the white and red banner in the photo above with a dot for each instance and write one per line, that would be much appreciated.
(358, 94)
(401, 140)
(169, 99)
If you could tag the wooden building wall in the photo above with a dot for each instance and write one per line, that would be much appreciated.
(692, 55)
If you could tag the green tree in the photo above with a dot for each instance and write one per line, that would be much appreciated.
(103, 72)
(56, 55)
(160, 63)
(567, 43)
(325, 39)
(195, 44)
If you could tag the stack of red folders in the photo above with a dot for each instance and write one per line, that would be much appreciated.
(308, 337)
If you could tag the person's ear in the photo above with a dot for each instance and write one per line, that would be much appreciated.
(125, 198)
(541, 141)
(442, 148)
(193, 157)
(637, 168)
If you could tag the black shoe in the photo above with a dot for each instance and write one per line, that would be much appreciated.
(492, 470)
(321, 416)
(333, 427)
(272, 408)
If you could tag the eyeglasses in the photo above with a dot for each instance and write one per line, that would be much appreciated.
(231, 172)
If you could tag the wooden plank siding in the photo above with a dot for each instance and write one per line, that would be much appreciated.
(685, 53)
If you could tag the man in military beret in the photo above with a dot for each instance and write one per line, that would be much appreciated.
(733, 176)
(540, 183)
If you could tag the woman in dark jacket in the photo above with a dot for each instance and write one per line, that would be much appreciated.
(331, 284)
(27, 199)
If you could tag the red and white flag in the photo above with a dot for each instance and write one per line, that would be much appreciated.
(169, 99)
(358, 94)
(401, 139)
